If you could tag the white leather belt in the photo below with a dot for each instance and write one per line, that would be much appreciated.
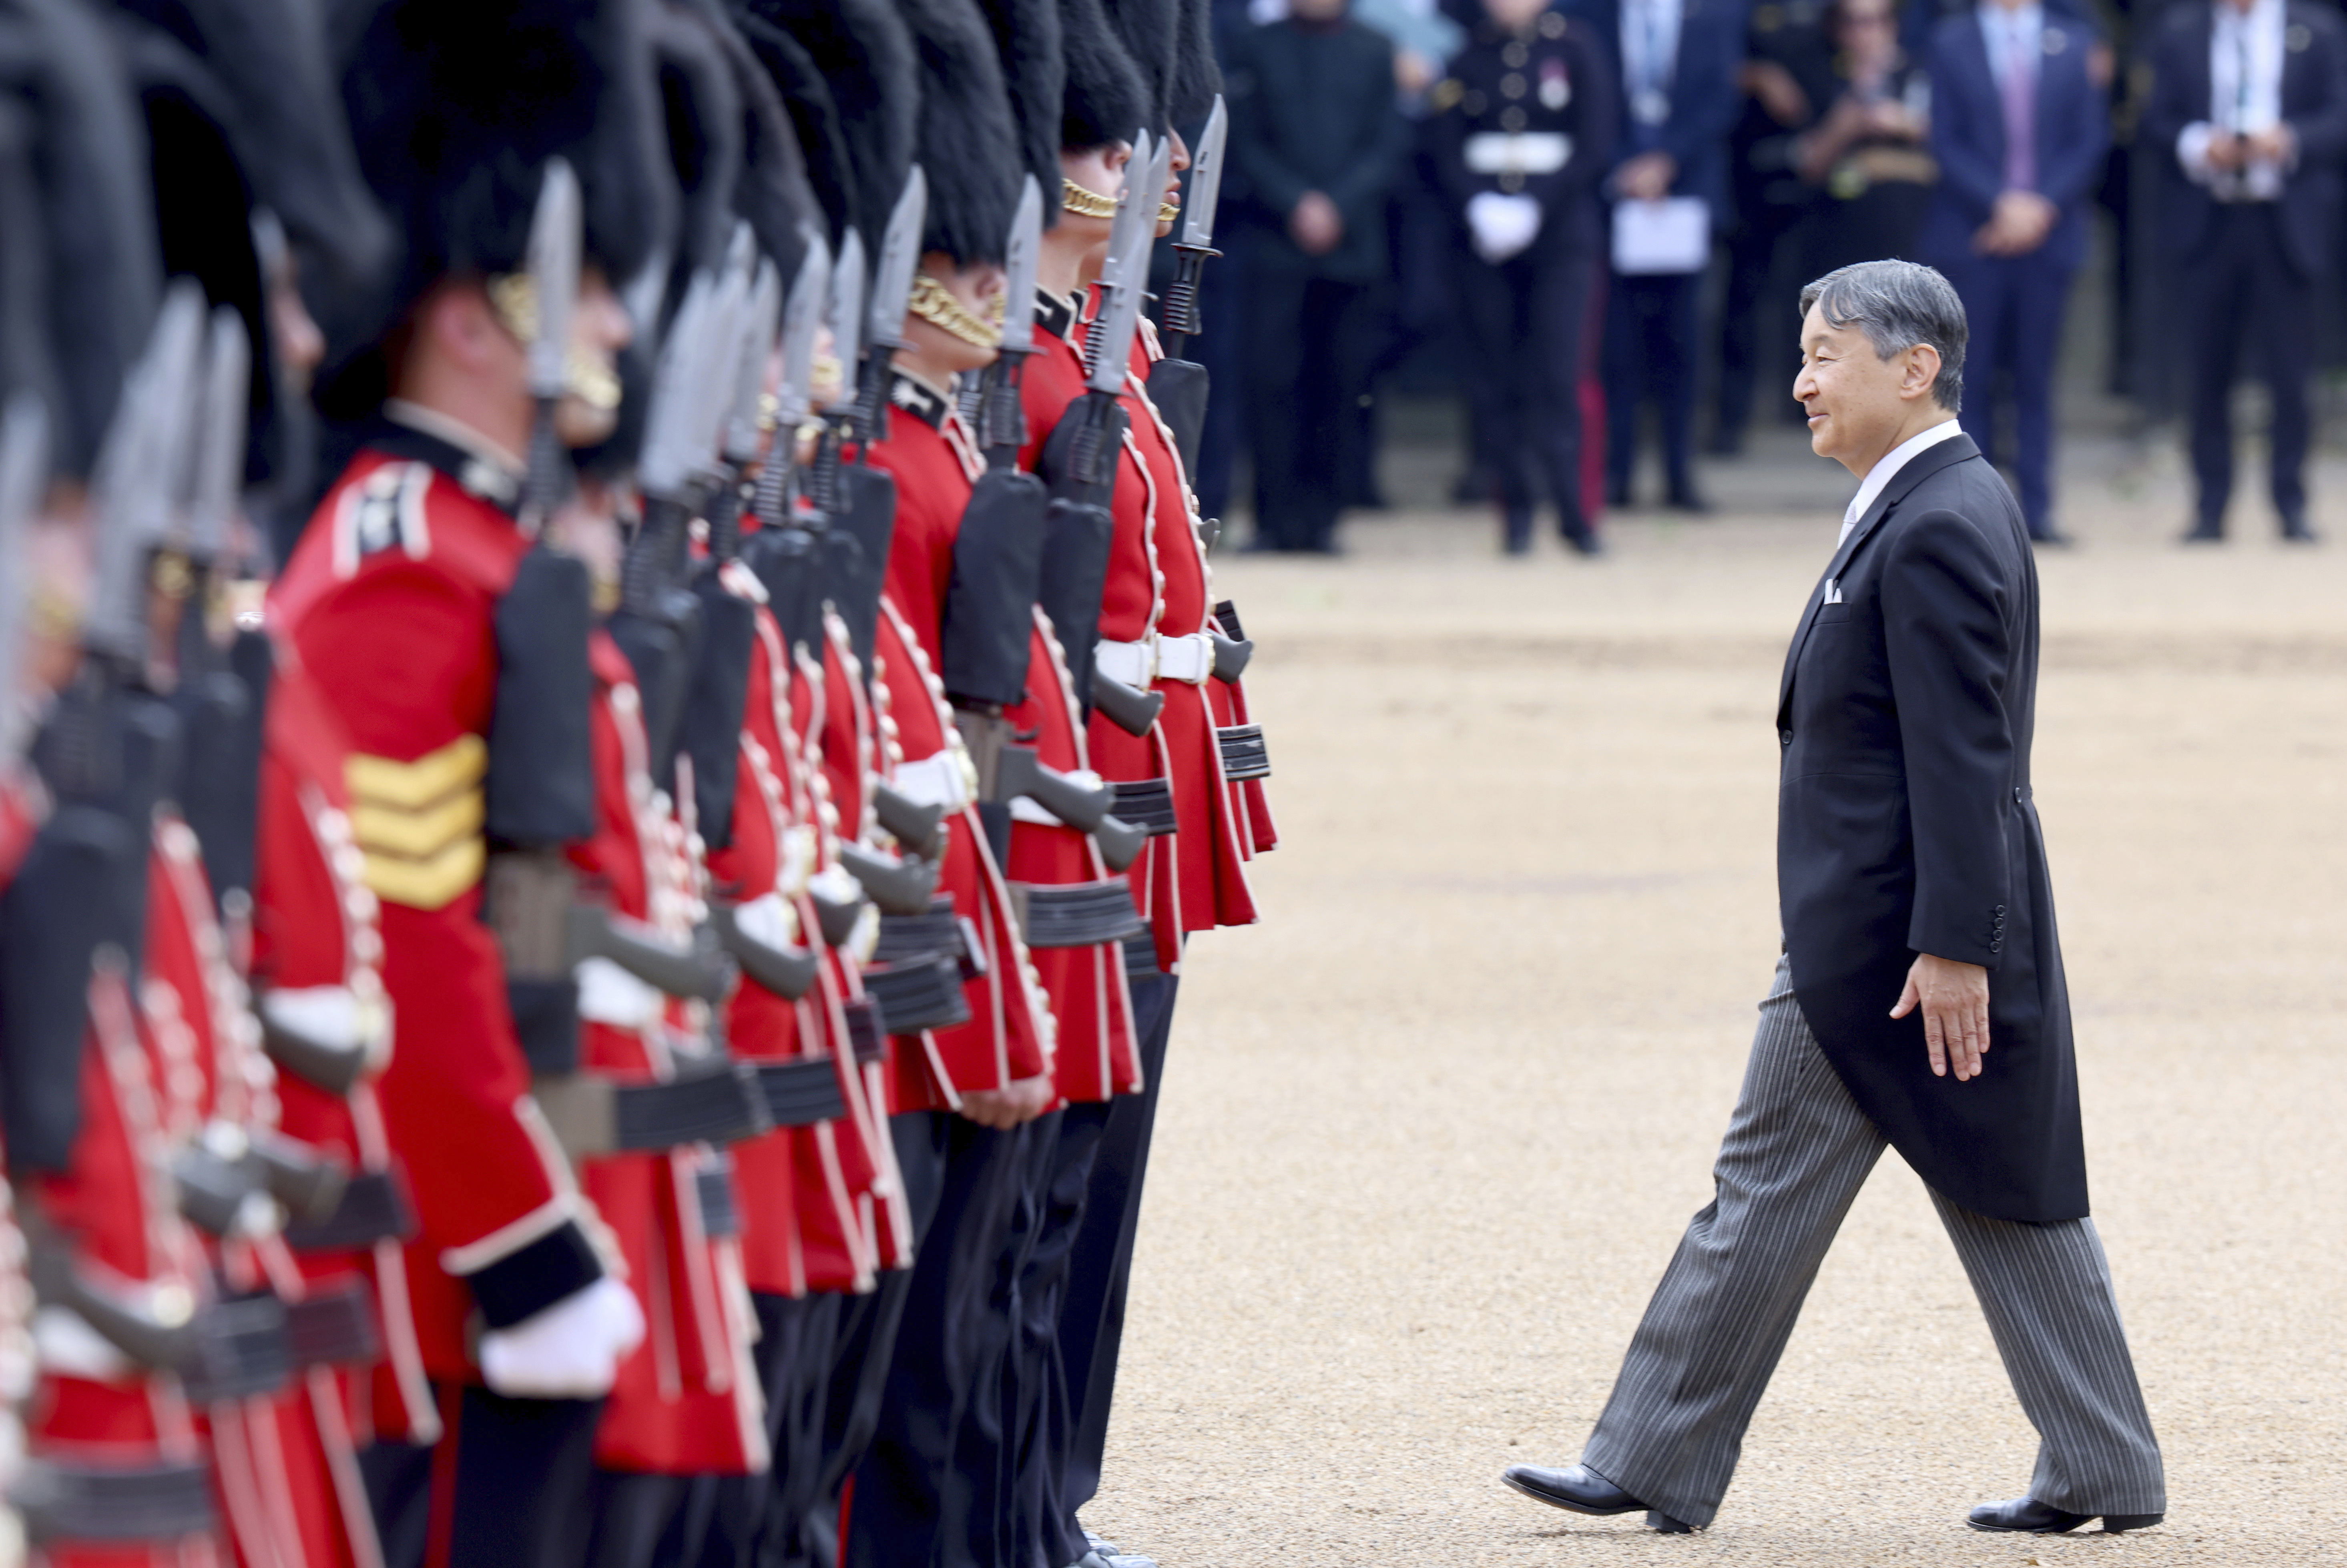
(937, 780)
(1523, 152)
(1190, 660)
(609, 995)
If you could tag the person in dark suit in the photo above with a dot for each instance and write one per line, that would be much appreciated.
(1517, 137)
(2020, 122)
(1920, 1001)
(1678, 60)
(2249, 100)
(1317, 139)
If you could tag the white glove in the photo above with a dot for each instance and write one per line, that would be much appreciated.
(1501, 225)
(569, 1351)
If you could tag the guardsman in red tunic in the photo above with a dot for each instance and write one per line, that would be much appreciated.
(1156, 637)
(452, 648)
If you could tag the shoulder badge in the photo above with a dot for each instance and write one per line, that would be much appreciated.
(382, 510)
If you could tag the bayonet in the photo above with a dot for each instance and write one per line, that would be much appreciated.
(666, 470)
(760, 320)
(794, 392)
(556, 241)
(892, 292)
(849, 287)
(1111, 340)
(224, 415)
(1001, 423)
(138, 467)
(1181, 319)
(24, 472)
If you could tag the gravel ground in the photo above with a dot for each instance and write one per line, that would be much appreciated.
(1432, 1132)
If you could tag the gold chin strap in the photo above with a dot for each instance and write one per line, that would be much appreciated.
(514, 297)
(1085, 203)
(934, 303)
(1167, 212)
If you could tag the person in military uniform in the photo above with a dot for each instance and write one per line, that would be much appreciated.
(1520, 136)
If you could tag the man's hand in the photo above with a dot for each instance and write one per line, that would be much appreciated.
(1954, 1000)
(2017, 225)
(1003, 1109)
(1647, 177)
(1315, 224)
(2225, 151)
(2277, 144)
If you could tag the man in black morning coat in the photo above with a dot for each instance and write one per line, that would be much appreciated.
(1919, 934)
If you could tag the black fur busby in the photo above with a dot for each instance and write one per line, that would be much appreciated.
(28, 362)
(1150, 30)
(1197, 77)
(455, 106)
(771, 193)
(967, 144)
(1034, 70)
(269, 60)
(91, 251)
(700, 130)
(814, 119)
(864, 52)
(1105, 99)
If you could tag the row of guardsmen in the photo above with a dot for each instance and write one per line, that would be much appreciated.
(612, 725)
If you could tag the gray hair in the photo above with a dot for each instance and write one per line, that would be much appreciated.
(1898, 305)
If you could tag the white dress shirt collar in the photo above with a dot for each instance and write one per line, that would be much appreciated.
(2001, 29)
(1887, 469)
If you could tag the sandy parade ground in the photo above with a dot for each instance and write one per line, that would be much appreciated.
(1432, 1130)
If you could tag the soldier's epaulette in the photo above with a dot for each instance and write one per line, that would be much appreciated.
(382, 510)
(1445, 96)
(418, 824)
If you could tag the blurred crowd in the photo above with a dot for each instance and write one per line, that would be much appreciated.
(1589, 220)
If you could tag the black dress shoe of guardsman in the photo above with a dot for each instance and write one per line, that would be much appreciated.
(2029, 1516)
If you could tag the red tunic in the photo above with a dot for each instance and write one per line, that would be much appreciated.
(389, 602)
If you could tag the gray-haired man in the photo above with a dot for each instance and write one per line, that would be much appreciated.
(1919, 930)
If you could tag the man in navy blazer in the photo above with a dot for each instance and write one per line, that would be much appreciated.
(2249, 106)
(1919, 1003)
(1678, 60)
(2020, 126)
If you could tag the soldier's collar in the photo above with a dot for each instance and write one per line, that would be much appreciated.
(917, 396)
(481, 466)
(1059, 316)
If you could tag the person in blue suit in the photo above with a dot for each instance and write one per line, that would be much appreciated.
(2020, 125)
(1679, 101)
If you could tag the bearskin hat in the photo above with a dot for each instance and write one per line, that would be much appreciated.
(864, 52)
(1105, 99)
(1034, 70)
(967, 144)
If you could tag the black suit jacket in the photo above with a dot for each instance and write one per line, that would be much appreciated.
(1905, 826)
(2314, 104)
(2074, 136)
(1312, 108)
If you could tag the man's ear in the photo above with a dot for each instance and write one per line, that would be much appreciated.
(1922, 370)
(459, 321)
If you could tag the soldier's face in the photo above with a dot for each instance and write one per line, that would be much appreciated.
(589, 410)
(978, 291)
(1515, 16)
(1169, 205)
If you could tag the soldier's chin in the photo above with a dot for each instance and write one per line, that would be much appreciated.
(580, 424)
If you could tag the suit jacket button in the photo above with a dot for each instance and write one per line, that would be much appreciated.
(2016, 792)
(1784, 737)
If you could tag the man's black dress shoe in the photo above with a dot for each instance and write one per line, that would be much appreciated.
(2295, 531)
(1584, 1491)
(2203, 533)
(2029, 1516)
(2051, 537)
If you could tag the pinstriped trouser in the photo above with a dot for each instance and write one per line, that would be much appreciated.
(1798, 1150)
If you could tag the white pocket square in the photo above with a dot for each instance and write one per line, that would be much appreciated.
(1833, 591)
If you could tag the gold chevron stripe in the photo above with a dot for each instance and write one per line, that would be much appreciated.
(429, 884)
(427, 781)
(418, 834)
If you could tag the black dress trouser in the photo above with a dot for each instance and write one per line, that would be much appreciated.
(2242, 288)
(912, 1505)
(1309, 347)
(1100, 1270)
(519, 1472)
(1525, 319)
